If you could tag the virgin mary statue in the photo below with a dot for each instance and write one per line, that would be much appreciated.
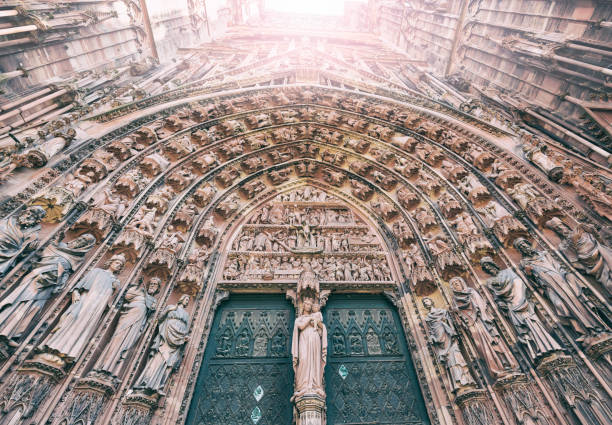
(309, 350)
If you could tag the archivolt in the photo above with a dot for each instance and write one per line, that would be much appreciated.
(317, 130)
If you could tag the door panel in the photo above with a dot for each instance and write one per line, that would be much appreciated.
(246, 376)
(369, 376)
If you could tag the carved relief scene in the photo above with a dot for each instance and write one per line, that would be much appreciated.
(306, 227)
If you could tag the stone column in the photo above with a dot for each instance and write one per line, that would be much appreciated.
(310, 410)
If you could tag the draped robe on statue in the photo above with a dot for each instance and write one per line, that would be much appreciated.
(588, 255)
(80, 320)
(14, 241)
(561, 289)
(443, 336)
(511, 293)
(166, 350)
(47, 278)
(132, 322)
(309, 349)
(473, 311)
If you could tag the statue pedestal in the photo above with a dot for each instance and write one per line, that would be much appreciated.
(598, 346)
(310, 410)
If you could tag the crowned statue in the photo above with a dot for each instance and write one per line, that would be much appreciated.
(309, 346)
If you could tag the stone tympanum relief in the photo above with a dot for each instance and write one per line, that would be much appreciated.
(306, 228)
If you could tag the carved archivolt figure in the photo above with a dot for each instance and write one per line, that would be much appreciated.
(166, 352)
(585, 252)
(309, 350)
(90, 297)
(444, 338)
(144, 221)
(472, 311)
(510, 294)
(19, 236)
(537, 155)
(47, 278)
(139, 303)
(560, 288)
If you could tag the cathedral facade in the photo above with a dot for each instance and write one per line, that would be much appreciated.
(287, 219)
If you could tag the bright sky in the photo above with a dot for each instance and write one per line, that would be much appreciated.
(314, 7)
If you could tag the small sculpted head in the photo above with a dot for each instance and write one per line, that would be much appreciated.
(524, 247)
(559, 227)
(184, 300)
(427, 303)
(488, 266)
(83, 241)
(457, 284)
(154, 285)
(116, 263)
(307, 305)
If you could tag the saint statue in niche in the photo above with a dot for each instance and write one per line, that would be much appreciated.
(90, 297)
(47, 278)
(166, 353)
(139, 303)
(309, 345)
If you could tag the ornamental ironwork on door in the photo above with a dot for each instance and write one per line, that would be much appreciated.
(370, 378)
(247, 376)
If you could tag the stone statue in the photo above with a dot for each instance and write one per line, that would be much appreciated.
(308, 280)
(144, 221)
(166, 352)
(90, 297)
(139, 303)
(309, 350)
(444, 338)
(47, 278)
(585, 253)
(472, 310)
(19, 236)
(537, 155)
(510, 294)
(560, 288)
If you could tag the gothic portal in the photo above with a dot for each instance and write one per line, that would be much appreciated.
(300, 220)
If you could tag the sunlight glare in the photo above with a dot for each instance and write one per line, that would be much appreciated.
(310, 7)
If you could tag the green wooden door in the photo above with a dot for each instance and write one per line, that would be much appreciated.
(246, 376)
(370, 378)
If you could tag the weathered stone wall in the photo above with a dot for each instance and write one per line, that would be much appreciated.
(547, 60)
